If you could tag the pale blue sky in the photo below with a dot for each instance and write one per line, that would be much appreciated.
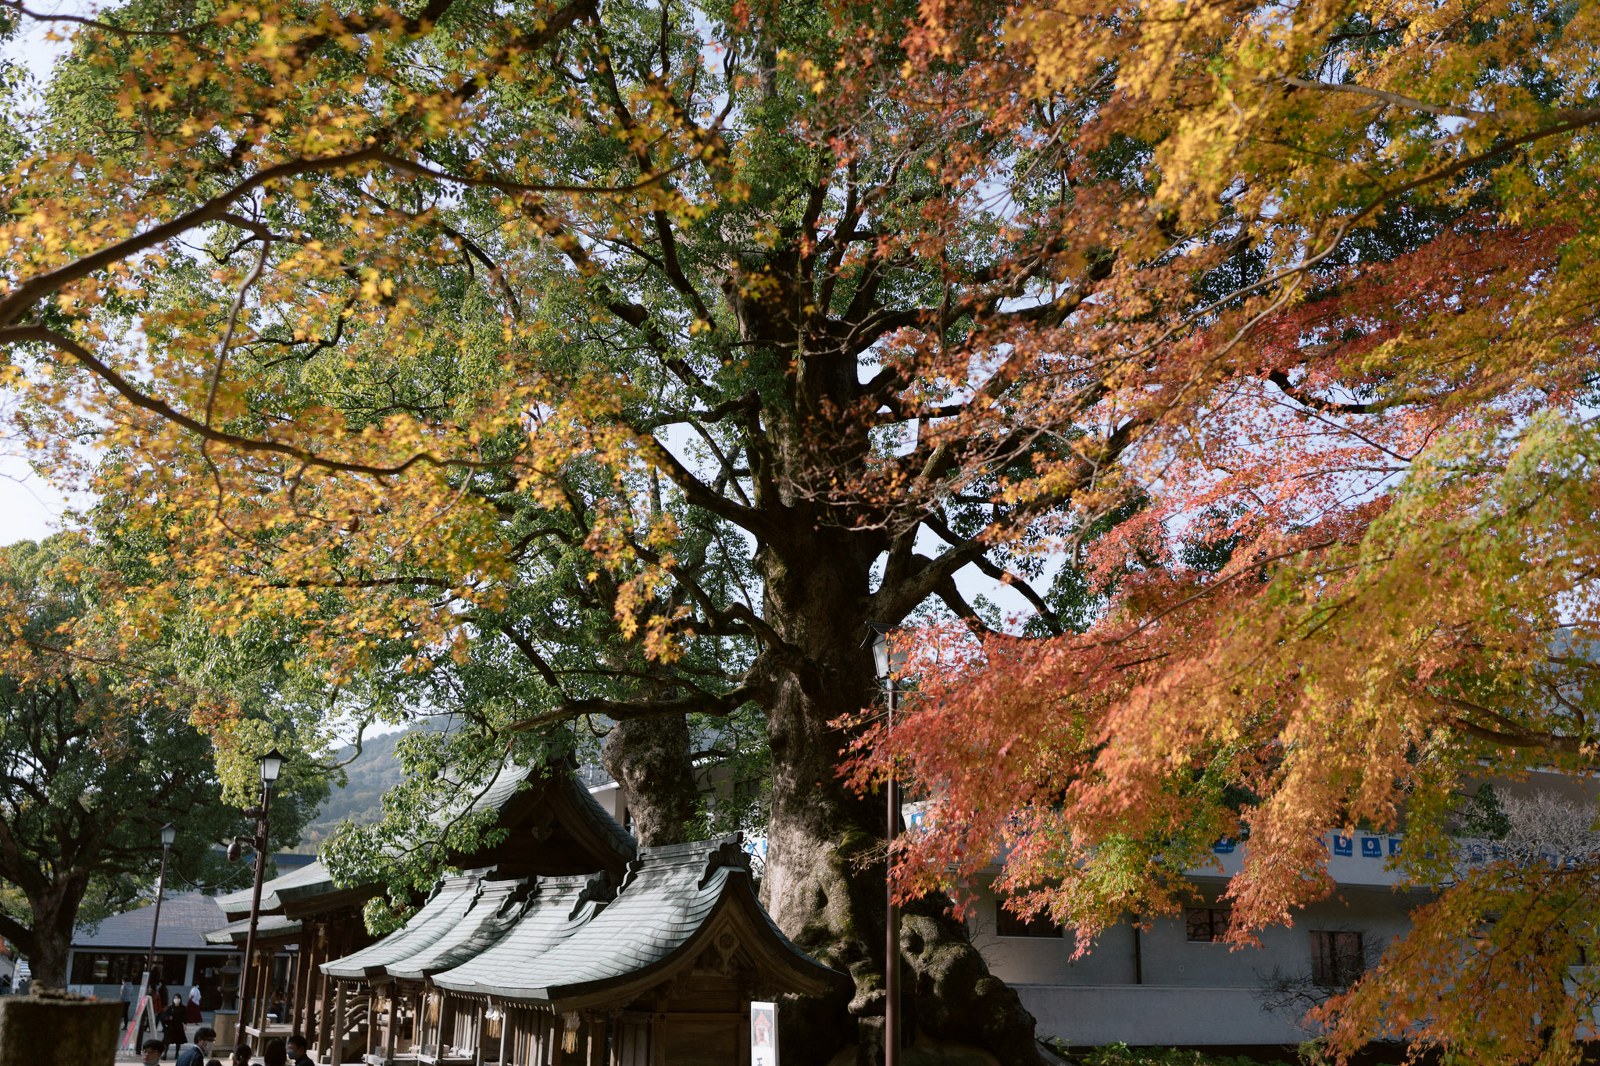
(30, 508)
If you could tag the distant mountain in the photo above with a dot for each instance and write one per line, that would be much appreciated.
(374, 772)
(369, 776)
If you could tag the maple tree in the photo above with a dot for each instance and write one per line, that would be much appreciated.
(621, 361)
(1353, 570)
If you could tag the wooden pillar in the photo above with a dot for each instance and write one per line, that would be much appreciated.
(250, 1011)
(658, 1039)
(336, 1052)
(263, 986)
(297, 982)
(311, 1021)
(447, 1021)
(394, 1024)
(267, 963)
(327, 1013)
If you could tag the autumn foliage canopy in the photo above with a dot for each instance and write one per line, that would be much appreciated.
(1357, 575)
(1252, 345)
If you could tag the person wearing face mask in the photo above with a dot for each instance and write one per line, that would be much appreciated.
(172, 1027)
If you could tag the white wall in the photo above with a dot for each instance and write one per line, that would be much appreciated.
(1163, 1015)
(1185, 992)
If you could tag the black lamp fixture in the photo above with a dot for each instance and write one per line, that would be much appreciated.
(878, 640)
(271, 767)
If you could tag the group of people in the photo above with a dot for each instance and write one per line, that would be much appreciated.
(276, 1053)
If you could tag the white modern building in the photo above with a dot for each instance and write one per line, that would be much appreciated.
(1170, 981)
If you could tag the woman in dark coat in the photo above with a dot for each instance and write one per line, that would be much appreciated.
(172, 1030)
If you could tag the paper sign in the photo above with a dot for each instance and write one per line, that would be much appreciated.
(763, 1034)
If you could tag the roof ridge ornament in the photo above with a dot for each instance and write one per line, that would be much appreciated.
(599, 889)
(728, 853)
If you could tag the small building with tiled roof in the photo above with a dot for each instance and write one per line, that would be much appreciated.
(659, 968)
(110, 954)
(548, 824)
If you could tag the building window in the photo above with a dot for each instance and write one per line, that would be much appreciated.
(1207, 925)
(1337, 958)
(1007, 923)
(110, 968)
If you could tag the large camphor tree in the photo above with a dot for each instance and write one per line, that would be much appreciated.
(616, 362)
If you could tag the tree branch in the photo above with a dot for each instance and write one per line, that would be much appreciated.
(17, 302)
(156, 406)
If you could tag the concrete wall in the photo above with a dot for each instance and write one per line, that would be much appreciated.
(1203, 992)
(1156, 1015)
(1168, 957)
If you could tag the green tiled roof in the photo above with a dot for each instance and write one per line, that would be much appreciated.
(496, 908)
(312, 878)
(186, 918)
(268, 925)
(570, 944)
(449, 903)
(557, 911)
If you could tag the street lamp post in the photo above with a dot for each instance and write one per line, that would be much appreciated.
(169, 833)
(884, 666)
(271, 767)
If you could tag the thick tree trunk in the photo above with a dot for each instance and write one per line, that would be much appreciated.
(824, 883)
(54, 916)
(651, 760)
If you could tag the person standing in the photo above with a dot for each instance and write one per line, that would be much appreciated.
(150, 1052)
(275, 1054)
(196, 1054)
(172, 1029)
(241, 1055)
(194, 1005)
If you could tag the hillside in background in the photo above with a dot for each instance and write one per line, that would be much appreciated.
(371, 774)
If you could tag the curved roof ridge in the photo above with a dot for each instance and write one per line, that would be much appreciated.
(495, 908)
(542, 922)
(450, 901)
